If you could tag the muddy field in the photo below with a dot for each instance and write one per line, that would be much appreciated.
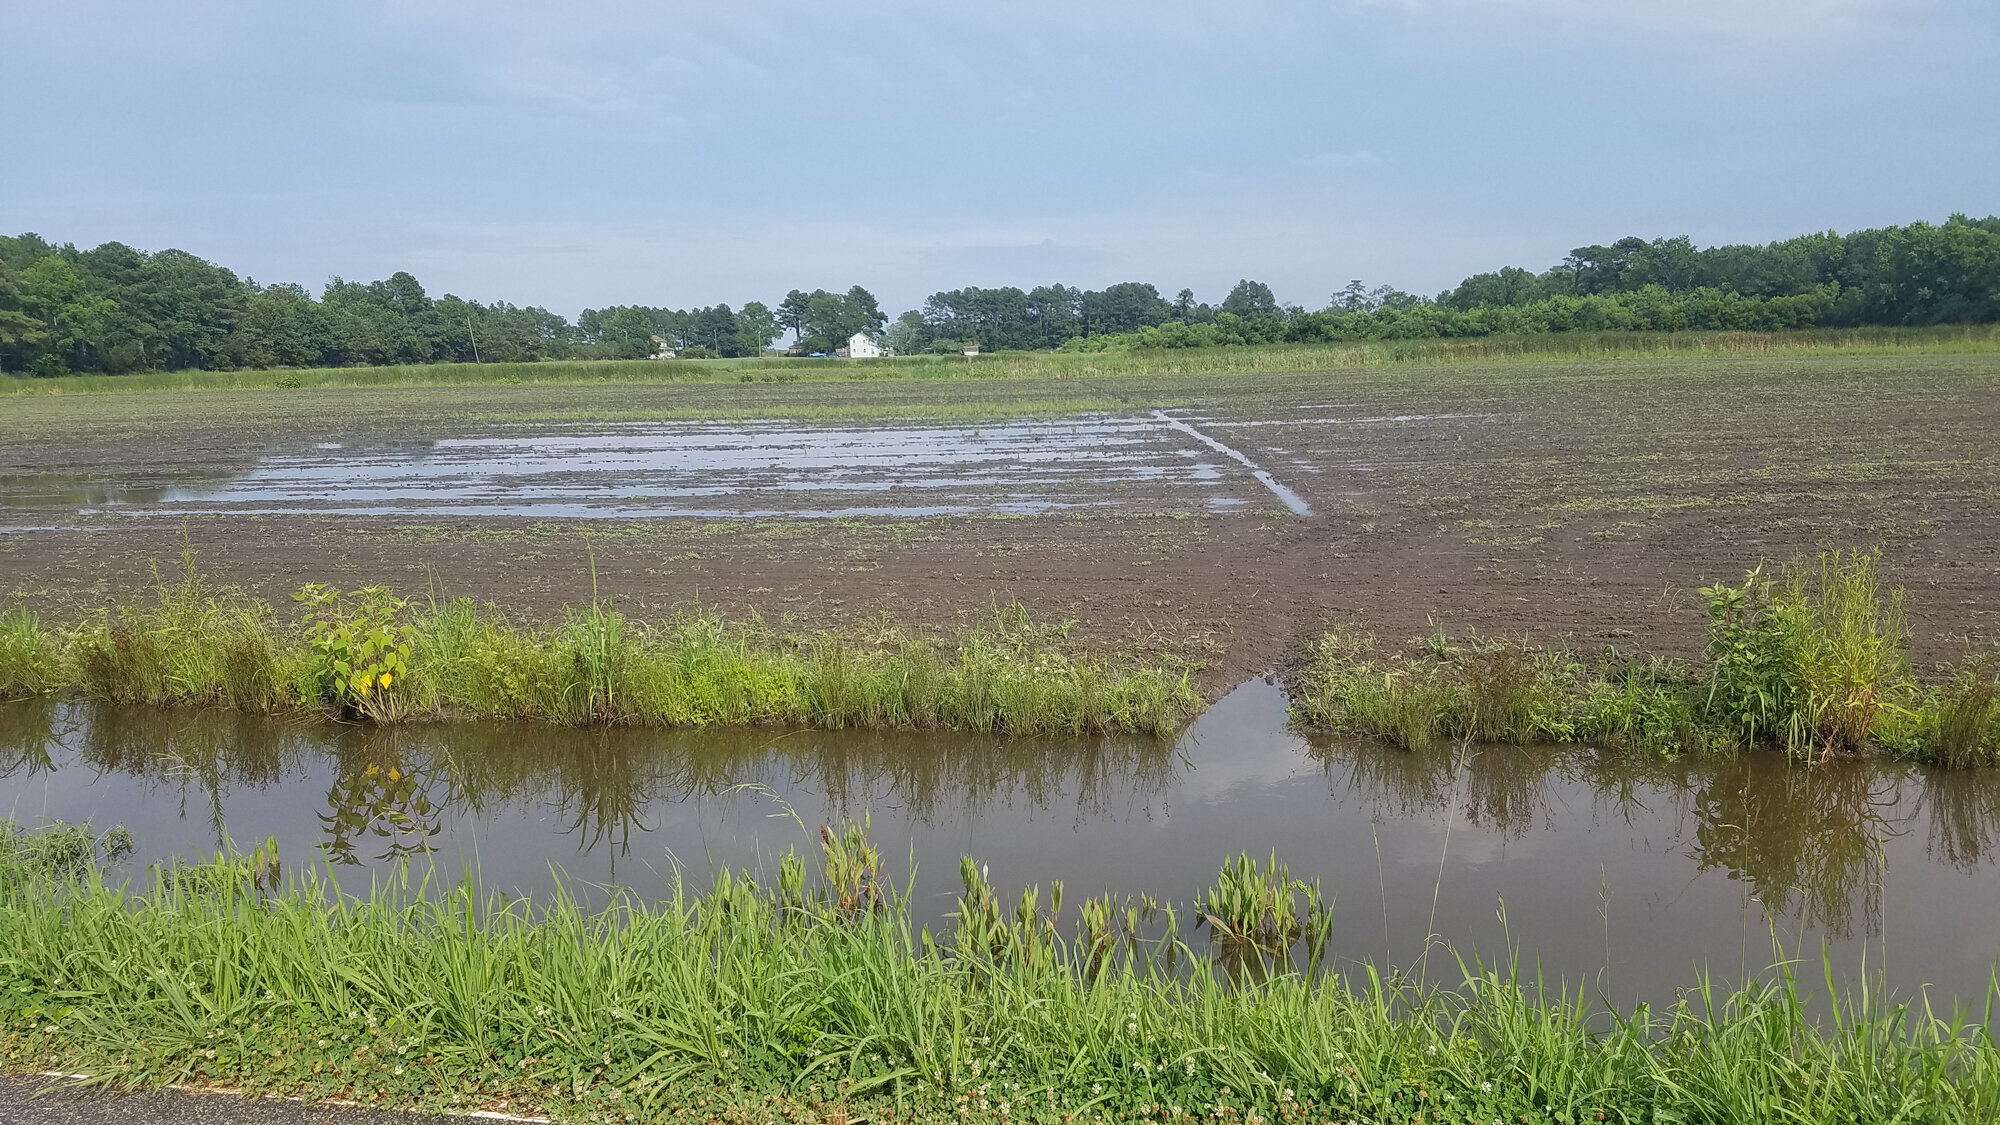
(1222, 519)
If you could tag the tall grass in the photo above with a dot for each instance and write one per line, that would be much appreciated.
(370, 655)
(1223, 360)
(808, 1000)
(1810, 661)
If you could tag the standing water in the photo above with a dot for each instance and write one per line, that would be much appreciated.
(1619, 873)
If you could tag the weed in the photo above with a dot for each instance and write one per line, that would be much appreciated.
(27, 658)
(372, 655)
(708, 1007)
(1810, 661)
(1966, 727)
(360, 649)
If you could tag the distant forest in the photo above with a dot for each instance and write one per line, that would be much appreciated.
(114, 309)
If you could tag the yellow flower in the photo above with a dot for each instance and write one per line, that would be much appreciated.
(387, 679)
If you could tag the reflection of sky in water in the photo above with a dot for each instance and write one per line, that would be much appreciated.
(1672, 865)
(697, 469)
(1156, 462)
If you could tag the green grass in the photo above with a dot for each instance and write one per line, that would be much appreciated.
(1811, 662)
(370, 655)
(1266, 358)
(814, 997)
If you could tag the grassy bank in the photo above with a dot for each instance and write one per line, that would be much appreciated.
(372, 655)
(1192, 361)
(814, 998)
(1810, 661)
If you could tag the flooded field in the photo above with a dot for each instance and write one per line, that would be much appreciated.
(1572, 502)
(778, 468)
(1621, 872)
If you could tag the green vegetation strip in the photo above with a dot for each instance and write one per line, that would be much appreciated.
(1127, 356)
(1811, 662)
(816, 998)
(371, 655)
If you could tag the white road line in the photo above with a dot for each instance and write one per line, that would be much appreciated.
(1292, 499)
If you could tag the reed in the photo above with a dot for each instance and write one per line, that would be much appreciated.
(370, 655)
(801, 1002)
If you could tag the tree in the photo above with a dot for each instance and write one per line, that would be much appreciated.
(756, 327)
(1125, 307)
(628, 331)
(909, 334)
(863, 302)
(831, 318)
(1248, 299)
(1354, 298)
(284, 327)
(715, 329)
(792, 312)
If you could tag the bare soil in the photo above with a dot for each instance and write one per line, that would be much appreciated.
(1573, 503)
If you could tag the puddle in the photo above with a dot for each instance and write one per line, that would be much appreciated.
(733, 470)
(1624, 873)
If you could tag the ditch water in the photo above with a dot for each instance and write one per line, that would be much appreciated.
(714, 469)
(1620, 873)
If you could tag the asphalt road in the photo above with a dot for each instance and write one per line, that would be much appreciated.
(33, 1100)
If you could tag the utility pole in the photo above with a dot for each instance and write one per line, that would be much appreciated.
(473, 338)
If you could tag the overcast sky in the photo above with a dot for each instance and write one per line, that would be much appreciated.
(584, 154)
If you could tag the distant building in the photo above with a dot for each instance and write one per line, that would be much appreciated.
(859, 346)
(663, 348)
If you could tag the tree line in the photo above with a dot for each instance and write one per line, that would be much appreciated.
(115, 309)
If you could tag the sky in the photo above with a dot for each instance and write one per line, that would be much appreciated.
(579, 155)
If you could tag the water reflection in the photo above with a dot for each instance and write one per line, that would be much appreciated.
(396, 786)
(1621, 868)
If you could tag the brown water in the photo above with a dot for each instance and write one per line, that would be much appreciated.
(1622, 872)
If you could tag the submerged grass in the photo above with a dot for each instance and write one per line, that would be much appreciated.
(817, 998)
(1810, 661)
(367, 654)
(1193, 361)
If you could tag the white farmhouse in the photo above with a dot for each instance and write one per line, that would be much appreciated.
(859, 346)
(663, 348)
